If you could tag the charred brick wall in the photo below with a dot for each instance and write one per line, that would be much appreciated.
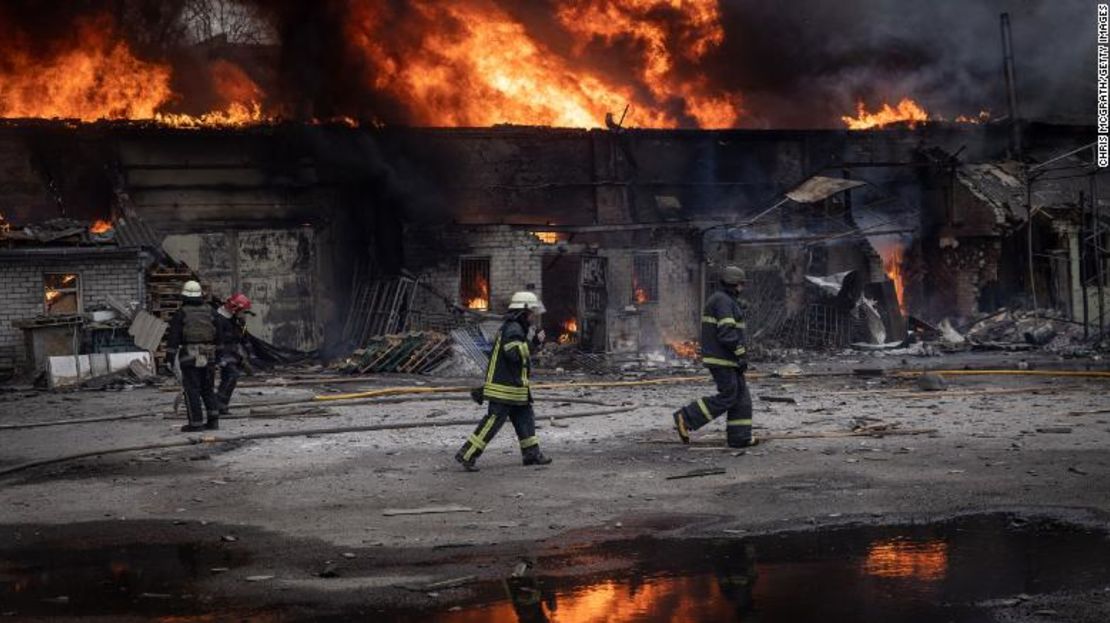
(22, 284)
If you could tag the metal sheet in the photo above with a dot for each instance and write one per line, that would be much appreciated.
(820, 187)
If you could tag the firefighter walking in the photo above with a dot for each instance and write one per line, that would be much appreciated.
(192, 348)
(724, 352)
(507, 385)
(231, 332)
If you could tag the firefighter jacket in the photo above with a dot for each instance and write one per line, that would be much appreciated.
(723, 342)
(231, 336)
(192, 334)
(510, 364)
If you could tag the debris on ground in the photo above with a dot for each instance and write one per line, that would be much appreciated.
(413, 353)
(427, 510)
(931, 383)
(1047, 329)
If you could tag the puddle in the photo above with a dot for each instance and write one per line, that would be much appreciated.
(141, 579)
(954, 571)
(929, 573)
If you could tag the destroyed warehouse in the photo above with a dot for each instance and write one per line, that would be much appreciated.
(339, 234)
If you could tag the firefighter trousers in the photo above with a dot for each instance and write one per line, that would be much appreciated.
(732, 398)
(229, 376)
(523, 419)
(198, 385)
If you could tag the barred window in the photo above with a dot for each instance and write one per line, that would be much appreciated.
(61, 294)
(474, 282)
(645, 278)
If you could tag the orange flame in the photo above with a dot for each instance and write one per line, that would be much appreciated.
(893, 256)
(101, 78)
(547, 237)
(983, 117)
(570, 331)
(684, 350)
(481, 66)
(100, 227)
(907, 111)
(481, 287)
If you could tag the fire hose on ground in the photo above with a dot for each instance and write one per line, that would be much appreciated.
(214, 439)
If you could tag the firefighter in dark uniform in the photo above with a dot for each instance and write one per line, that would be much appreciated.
(724, 352)
(507, 385)
(192, 348)
(231, 332)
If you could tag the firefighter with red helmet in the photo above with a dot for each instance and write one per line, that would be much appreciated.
(231, 332)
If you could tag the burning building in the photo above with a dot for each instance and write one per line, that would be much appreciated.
(343, 166)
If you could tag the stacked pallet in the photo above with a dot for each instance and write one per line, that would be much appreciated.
(411, 353)
(163, 289)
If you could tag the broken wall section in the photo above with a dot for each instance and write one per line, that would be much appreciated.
(119, 274)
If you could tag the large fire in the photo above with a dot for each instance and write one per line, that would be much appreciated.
(96, 76)
(907, 111)
(473, 63)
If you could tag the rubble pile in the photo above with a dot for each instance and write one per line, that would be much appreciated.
(568, 357)
(1045, 329)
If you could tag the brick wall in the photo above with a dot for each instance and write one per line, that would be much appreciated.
(515, 262)
(22, 285)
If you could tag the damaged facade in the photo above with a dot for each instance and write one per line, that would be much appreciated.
(621, 232)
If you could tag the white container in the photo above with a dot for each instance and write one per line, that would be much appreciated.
(103, 315)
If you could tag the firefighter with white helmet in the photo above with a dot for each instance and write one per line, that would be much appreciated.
(507, 385)
(191, 345)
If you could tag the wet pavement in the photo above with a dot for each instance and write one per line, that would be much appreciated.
(960, 571)
(964, 570)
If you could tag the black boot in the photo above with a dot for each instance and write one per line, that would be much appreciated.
(744, 443)
(535, 457)
(212, 423)
(192, 428)
(467, 464)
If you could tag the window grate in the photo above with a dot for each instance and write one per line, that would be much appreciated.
(474, 283)
(645, 278)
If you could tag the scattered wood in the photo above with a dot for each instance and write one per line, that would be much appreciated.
(889, 432)
(1057, 430)
(451, 583)
(1078, 413)
(427, 510)
(697, 473)
(786, 399)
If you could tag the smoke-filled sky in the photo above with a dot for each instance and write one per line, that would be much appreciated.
(698, 63)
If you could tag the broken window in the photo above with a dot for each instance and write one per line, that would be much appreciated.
(474, 282)
(645, 277)
(61, 293)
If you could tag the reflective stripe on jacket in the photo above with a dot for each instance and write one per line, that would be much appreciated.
(510, 364)
(723, 341)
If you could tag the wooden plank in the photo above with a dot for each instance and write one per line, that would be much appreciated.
(427, 510)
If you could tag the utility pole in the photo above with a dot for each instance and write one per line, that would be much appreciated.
(1011, 88)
